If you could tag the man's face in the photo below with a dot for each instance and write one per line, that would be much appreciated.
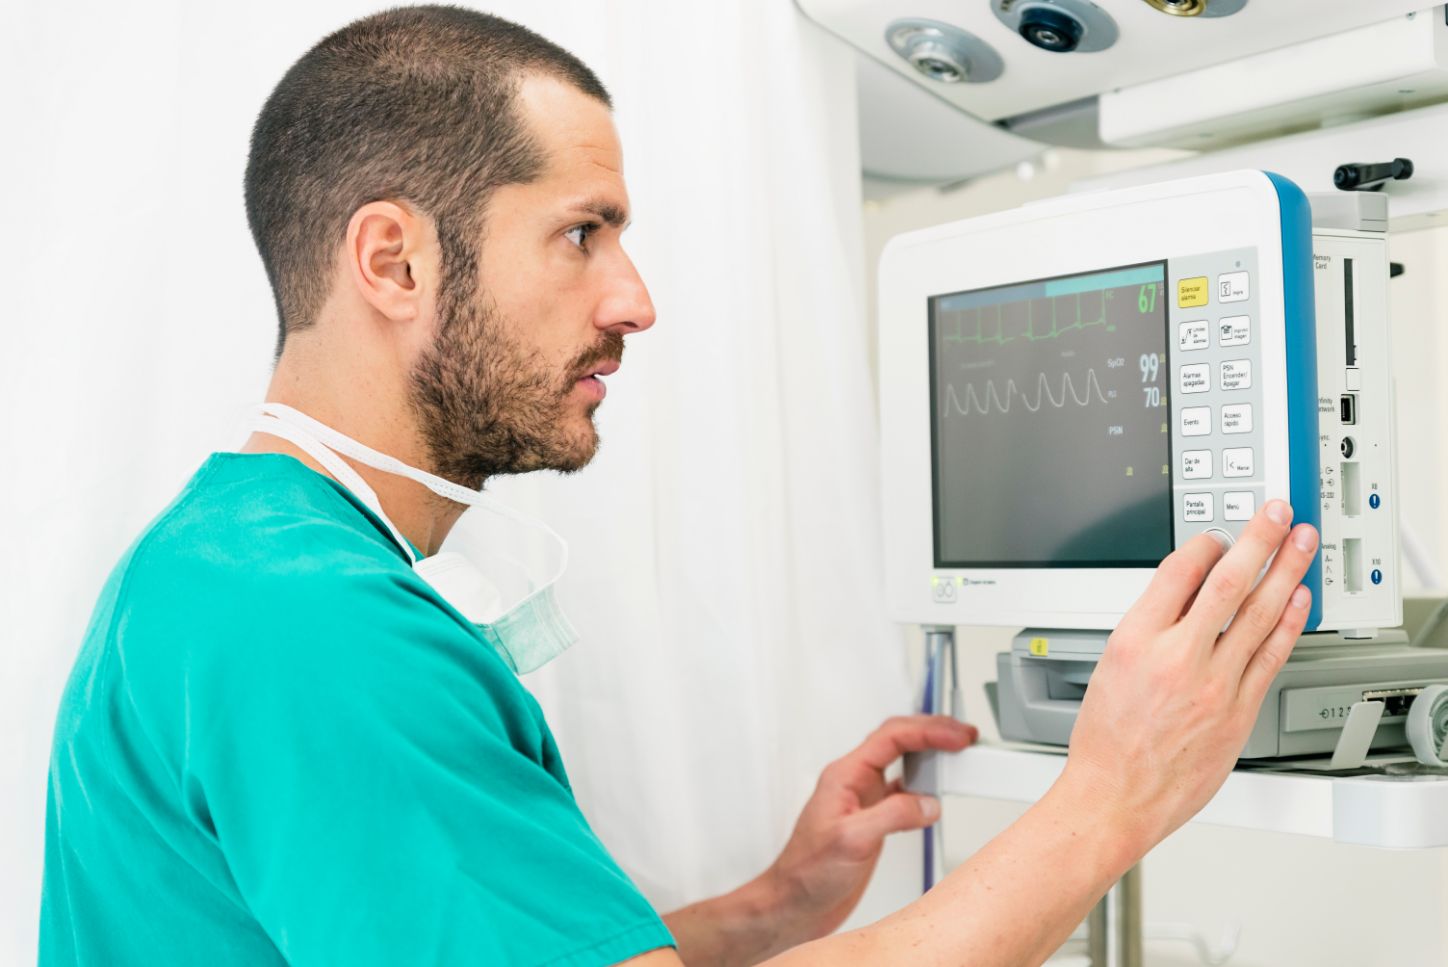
(512, 379)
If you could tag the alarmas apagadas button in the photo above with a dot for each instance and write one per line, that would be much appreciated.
(1193, 292)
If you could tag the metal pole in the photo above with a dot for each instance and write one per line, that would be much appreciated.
(1114, 926)
(937, 640)
(1129, 924)
(1096, 934)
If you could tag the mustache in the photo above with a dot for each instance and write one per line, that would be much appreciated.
(609, 349)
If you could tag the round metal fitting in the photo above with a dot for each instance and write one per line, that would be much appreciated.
(944, 53)
(1058, 26)
(1197, 8)
(1427, 724)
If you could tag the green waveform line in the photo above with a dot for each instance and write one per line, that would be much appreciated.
(1030, 334)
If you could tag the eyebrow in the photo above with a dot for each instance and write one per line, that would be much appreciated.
(605, 211)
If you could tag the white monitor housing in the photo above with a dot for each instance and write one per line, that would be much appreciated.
(1072, 389)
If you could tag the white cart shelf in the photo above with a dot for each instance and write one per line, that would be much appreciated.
(1391, 811)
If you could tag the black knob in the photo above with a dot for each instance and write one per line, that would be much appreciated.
(1053, 30)
(1361, 176)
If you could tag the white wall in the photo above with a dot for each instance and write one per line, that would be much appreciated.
(1296, 901)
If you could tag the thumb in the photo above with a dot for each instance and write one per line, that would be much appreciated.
(893, 814)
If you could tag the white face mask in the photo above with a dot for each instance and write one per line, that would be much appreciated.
(510, 599)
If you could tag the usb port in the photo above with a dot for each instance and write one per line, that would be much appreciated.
(1347, 408)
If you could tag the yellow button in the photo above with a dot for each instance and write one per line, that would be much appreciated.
(1192, 292)
(1040, 647)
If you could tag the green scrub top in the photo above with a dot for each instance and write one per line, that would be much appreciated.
(280, 745)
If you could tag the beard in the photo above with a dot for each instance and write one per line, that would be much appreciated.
(487, 405)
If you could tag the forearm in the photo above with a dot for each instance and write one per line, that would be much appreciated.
(743, 927)
(1014, 902)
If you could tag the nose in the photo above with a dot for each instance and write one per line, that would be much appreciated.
(626, 307)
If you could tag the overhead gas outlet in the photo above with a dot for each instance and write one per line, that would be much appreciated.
(1059, 26)
(1197, 8)
(944, 53)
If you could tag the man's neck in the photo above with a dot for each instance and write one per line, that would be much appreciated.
(354, 408)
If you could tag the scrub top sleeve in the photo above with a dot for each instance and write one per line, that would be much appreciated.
(374, 776)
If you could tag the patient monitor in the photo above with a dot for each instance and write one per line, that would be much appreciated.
(1072, 389)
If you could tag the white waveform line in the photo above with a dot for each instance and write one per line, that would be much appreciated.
(1043, 395)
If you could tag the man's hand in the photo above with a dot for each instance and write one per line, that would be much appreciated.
(828, 860)
(830, 856)
(1174, 697)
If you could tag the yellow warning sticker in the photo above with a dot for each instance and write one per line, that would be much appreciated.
(1193, 292)
(1040, 647)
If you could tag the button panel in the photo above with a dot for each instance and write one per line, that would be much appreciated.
(1232, 287)
(1237, 418)
(1197, 421)
(1237, 462)
(1197, 465)
(1238, 505)
(1234, 331)
(1193, 292)
(1194, 335)
(1236, 374)
(1196, 379)
(1215, 361)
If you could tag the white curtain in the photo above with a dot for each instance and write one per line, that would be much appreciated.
(725, 571)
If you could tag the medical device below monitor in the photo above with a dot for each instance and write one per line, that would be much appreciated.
(1072, 389)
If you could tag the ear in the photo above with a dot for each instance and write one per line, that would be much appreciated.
(391, 256)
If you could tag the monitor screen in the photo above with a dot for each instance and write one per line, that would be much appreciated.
(1050, 422)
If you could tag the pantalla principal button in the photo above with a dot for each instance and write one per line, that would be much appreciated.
(1196, 508)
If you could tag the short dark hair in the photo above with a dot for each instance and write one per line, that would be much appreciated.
(415, 104)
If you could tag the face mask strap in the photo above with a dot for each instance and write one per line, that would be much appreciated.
(364, 454)
(336, 466)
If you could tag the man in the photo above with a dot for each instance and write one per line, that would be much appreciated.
(293, 737)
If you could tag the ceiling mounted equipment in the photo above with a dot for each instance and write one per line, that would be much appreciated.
(1059, 26)
(1197, 8)
(943, 52)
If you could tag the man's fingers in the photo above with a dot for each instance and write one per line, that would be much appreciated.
(1177, 578)
(1264, 606)
(1269, 657)
(910, 733)
(1232, 579)
(864, 831)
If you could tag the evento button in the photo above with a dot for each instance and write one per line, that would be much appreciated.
(1375, 501)
(1377, 576)
(1196, 421)
(1193, 292)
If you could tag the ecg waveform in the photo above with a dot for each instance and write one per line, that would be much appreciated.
(993, 401)
(1026, 324)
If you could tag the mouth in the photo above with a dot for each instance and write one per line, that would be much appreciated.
(592, 379)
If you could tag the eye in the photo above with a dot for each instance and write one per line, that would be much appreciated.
(580, 234)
